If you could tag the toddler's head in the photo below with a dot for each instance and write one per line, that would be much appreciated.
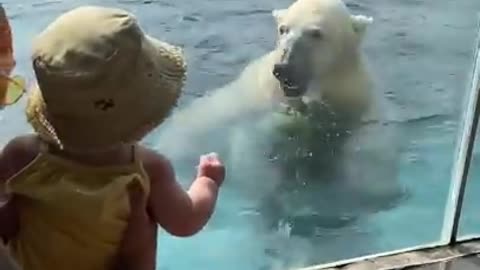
(101, 80)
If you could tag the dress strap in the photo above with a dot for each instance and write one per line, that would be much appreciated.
(136, 156)
(44, 146)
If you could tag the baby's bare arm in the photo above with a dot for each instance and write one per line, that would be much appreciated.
(179, 212)
(16, 155)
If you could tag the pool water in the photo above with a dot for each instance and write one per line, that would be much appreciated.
(421, 54)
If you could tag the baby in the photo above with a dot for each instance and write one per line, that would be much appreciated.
(74, 186)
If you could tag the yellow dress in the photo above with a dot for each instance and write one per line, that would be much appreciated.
(72, 216)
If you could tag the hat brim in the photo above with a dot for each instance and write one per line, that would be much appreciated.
(155, 85)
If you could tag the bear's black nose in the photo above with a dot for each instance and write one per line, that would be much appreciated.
(280, 71)
(285, 76)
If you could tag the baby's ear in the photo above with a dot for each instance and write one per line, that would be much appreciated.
(278, 14)
(360, 24)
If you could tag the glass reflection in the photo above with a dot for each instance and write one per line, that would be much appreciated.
(303, 190)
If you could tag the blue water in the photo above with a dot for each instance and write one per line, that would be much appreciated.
(421, 55)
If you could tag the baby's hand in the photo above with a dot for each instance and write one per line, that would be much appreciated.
(210, 166)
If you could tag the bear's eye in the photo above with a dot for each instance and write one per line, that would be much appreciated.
(315, 33)
(283, 29)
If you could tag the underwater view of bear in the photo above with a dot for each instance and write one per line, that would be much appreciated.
(337, 121)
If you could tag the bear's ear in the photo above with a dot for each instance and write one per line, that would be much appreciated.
(360, 24)
(278, 14)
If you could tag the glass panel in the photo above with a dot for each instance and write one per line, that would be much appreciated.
(297, 195)
(470, 220)
(457, 222)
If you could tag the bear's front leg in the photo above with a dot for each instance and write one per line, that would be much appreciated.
(295, 106)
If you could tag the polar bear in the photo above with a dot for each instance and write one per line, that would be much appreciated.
(317, 60)
(318, 57)
(319, 75)
(317, 67)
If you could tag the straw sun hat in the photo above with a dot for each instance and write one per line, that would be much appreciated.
(101, 80)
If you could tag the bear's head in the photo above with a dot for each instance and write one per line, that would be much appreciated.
(315, 38)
